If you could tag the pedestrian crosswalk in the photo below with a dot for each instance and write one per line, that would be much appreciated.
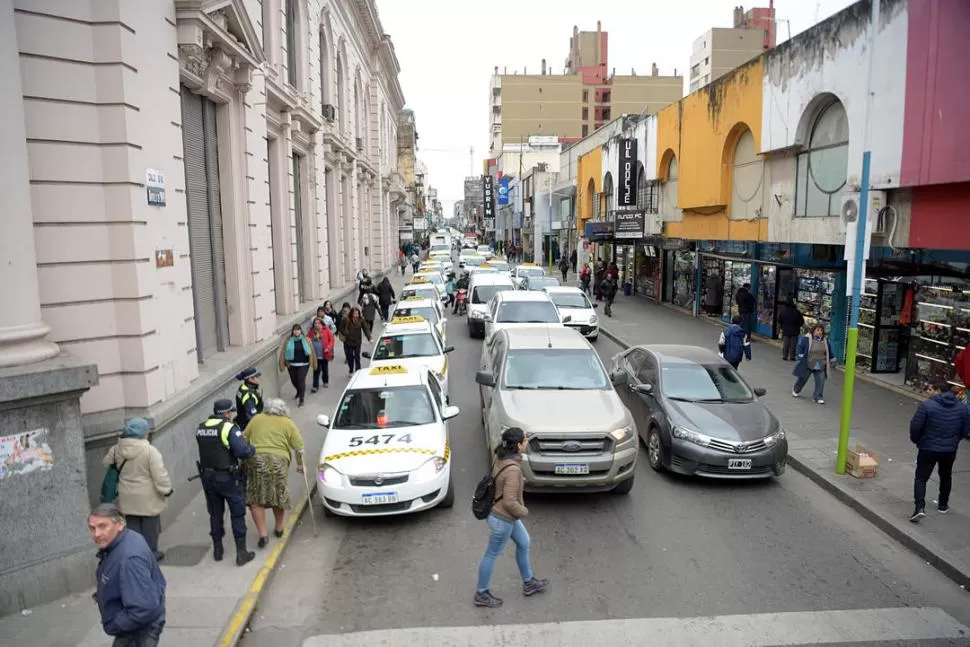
(754, 630)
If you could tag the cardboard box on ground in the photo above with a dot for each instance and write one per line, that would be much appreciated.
(862, 462)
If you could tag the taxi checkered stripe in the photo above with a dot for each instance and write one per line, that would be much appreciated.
(374, 452)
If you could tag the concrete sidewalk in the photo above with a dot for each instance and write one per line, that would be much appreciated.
(880, 421)
(207, 603)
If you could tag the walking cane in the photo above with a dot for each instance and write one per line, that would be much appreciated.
(309, 501)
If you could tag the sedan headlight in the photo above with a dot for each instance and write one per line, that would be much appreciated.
(775, 438)
(430, 469)
(623, 434)
(593, 320)
(691, 436)
(330, 475)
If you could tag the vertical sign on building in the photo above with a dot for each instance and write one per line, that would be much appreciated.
(488, 203)
(503, 191)
(627, 174)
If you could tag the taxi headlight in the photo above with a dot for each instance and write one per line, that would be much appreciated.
(623, 434)
(330, 475)
(476, 314)
(431, 468)
(593, 320)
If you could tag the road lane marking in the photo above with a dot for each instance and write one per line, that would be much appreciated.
(753, 630)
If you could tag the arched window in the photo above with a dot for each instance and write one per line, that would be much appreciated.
(294, 44)
(325, 88)
(747, 179)
(668, 194)
(341, 92)
(591, 200)
(823, 165)
(608, 205)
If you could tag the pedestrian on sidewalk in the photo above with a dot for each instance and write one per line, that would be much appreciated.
(370, 309)
(385, 297)
(326, 314)
(746, 304)
(734, 344)
(585, 276)
(451, 289)
(936, 429)
(340, 316)
(297, 358)
(599, 274)
(322, 339)
(276, 439)
(564, 268)
(714, 295)
(505, 520)
(354, 328)
(221, 446)
(608, 291)
(143, 482)
(415, 262)
(813, 357)
(131, 587)
(573, 256)
(791, 321)
(249, 400)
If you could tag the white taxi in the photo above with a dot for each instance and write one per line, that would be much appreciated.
(386, 451)
(430, 309)
(412, 342)
(524, 270)
(435, 277)
(420, 287)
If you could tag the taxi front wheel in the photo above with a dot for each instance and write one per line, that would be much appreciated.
(449, 500)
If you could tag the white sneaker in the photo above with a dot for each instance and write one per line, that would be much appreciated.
(795, 394)
(820, 401)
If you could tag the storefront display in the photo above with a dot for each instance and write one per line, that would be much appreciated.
(684, 280)
(648, 272)
(767, 300)
(941, 330)
(736, 274)
(881, 334)
(813, 296)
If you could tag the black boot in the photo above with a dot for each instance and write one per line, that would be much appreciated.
(217, 550)
(243, 556)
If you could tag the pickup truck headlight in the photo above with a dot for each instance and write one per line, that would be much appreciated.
(691, 436)
(622, 435)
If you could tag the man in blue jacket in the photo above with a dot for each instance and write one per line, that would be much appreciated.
(734, 343)
(131, 588)
(937, 428)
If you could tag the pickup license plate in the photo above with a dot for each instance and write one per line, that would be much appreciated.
(379, 498)
(573, 468)
(739, 463)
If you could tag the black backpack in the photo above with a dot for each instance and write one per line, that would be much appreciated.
(484, 497)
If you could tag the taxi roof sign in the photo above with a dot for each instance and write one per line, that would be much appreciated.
(418, 279)
(408, 320)
(391, 369)
(415, 298)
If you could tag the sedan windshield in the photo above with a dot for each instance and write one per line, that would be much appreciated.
(427, 312)
(704, 383)
(429, 292)
(382, 408)
(482, 293)
(404, 346)
(529, 271)
(433, 277)
(474, 260)
(527, 312)
(501, 266)
(571, 300)
(539, 282)
(554, 369)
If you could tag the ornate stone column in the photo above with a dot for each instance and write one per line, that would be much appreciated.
(22, 332)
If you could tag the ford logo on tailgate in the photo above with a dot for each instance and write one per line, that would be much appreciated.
(571, 446)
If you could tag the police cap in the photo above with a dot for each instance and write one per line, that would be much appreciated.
(223, 406)
(248, 373)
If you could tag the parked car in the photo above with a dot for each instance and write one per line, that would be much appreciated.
(576, 304)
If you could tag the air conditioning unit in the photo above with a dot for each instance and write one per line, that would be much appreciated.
(877, 202)
(360, 144)
(329, 112)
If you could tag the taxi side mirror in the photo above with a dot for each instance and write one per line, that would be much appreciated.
(487, 316)
(760, 392)
(595, 306)
(323, 420)
(450, 412)
(365, 354)
(567, 318)
(485, 378)
(448, 349)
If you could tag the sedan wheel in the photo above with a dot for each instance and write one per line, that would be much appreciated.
(655, 450)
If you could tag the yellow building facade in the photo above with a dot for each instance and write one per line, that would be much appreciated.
(703, 140)
(589, 185)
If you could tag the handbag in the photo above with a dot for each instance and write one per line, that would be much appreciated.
(109, 484)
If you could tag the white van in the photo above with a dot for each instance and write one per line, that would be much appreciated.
(481, 288)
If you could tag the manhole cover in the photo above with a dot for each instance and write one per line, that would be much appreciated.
(189, 555)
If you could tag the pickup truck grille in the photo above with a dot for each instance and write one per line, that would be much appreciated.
(570, 445)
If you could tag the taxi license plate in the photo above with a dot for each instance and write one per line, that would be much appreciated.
(379, 498)
(739, 463)
(572, 468)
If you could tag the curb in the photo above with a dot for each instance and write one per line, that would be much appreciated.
(234, 629)
(928, 551)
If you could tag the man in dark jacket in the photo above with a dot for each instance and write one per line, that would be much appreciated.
(608, 289)
(791, 321)
(936, 429)
(734, 343)
(385, 297)
(131, 587)
(745, 302)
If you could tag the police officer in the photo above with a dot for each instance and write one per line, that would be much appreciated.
(221, 445)
(249, 401)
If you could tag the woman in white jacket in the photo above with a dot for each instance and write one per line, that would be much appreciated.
(143, 482)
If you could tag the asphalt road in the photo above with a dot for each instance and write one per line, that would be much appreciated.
(675, 556)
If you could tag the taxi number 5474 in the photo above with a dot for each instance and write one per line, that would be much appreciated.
(382, 439)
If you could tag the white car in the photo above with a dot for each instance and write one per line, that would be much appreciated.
(434, 277)
(420, 288)
(485, 250)
(574, 302)
(500, 265)
(412, 342)
(387, 450)
(481, 289)
(523, 270)
(521, 309)
(466, 259)
(430, 309)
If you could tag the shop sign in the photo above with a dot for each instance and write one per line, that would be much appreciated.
(674, 243)
(627, 173)
(488, 199)
(155, 187)
(599, 230)
(630, 225)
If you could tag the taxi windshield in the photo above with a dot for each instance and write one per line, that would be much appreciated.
(571, 300)
(474, 260)
(403, 346)
(539, 282)
(527, 312)
(529, 271)
(426, 312)
(482, 293)
(554, 369)
(429, 292)
(380, 408)
(501, 266)
(432, 277)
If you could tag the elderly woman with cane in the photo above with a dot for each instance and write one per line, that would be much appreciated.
(276, 439)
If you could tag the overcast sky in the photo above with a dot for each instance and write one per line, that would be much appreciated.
(448, 49)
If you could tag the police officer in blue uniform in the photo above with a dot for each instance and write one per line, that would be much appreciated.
(221, 445)
(249, 400)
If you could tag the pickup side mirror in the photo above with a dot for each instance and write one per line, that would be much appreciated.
(618, 377)
(567, 318)
(365, 354)
(485, 378)
(448, 349)
(323, 420)
(450, 412)
(487, 316)
(760, 392)
(643, 389)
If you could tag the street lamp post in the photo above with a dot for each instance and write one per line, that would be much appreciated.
(549, 180)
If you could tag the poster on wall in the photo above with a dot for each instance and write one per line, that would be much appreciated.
(24, 453)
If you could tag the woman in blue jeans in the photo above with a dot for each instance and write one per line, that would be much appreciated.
(505, 521)
(813, 356)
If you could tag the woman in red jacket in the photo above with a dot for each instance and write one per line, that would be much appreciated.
(322, 339)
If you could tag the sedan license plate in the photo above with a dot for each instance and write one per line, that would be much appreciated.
(379, 498)
(739, 463)
(573, 468)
